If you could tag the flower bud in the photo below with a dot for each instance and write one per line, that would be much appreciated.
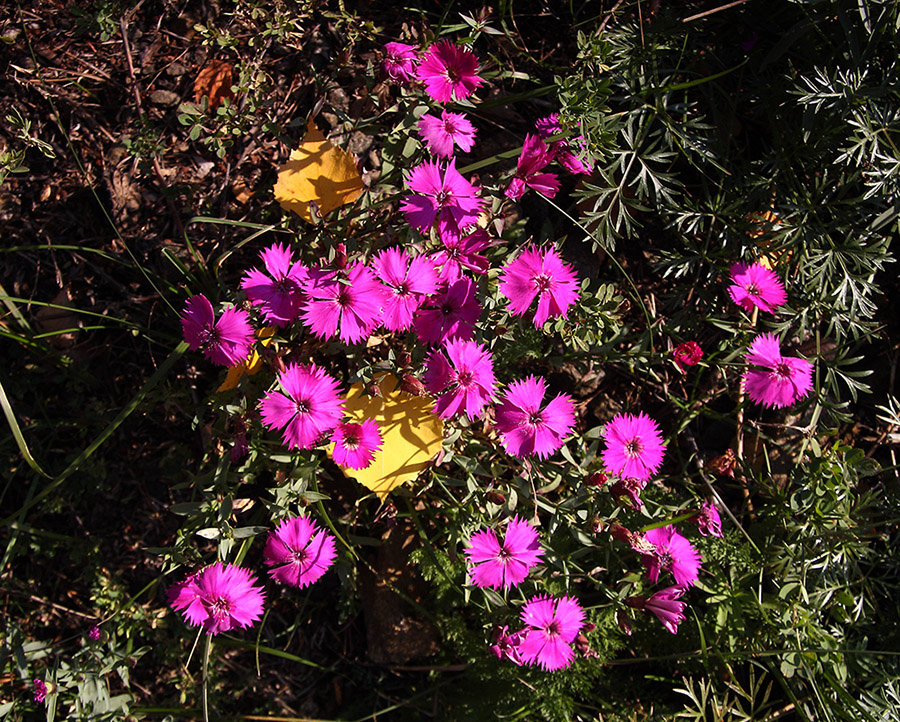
(411, 385)
(495, 497)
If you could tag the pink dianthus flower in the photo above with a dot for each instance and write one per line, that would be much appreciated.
(441, 195)
(525, 426)
(541, 274)
(708, 520)
(227, 341)
(451, 315)
(665, 605)
(534, 158)
(220, 598)
(407, 283)
(299, 552)
(355, 444)
(671, 552)
(399, 62)
(505, 565)
(756, 285)
(306, 407)
(464, 383)
(553, 625)
(442, 134)
(506, 645)
(352, 303)
(279, 291)
(449, 72)
(634, 446)
(687, 354)
(781, 380)
(462, 252)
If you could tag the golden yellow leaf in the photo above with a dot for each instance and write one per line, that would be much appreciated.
(318, 172)
(412, 434)
(251, 366)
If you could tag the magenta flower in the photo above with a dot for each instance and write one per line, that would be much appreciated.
(534, 158)
(220, 598)
(355, 444)
(464, 383)
(756, 285)
(408, 281)
(665, 605)
(781, 380)
(299, 552)
(306, 407)
(634, 446)
(708, 520)
(94, 633)
(462, 252)
(352, 303)
(672, 552)
(627, 492)
(506, 565)
(549, 126)
(442, 134)
(541, 274)
(40, 691)
(441, 195)
(227, 341)
(449, 72)
(687, 354)
(399, 62)
(525, 427)
(552, 627)
(452, 316)
(506, 646)
(280, 293)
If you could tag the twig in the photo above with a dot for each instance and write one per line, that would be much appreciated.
(608, 17)
(739, 445)
(714, 10)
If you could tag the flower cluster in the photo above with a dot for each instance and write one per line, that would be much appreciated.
(223, 597)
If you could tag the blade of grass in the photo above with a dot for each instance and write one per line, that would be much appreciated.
(18, 436)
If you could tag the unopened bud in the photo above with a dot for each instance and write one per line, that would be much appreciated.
(340, 257)
(623, 622)
(495, 497)
(501, 330)
(404, 359)
(373, 389)
(598, 478)
(596, 524)
(411, 385)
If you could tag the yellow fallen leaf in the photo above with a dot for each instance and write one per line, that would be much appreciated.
(251, 366)
(318, 172)
(412, 434)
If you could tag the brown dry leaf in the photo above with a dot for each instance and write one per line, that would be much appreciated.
(317, 172)
(214, 81)
(412, 434)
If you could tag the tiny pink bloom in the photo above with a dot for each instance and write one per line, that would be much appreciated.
(464, 383)
(442, 134)
(40, 691)
(506, 565)
(408, 281)
(553, 624)
(780, 380)
(355, 444)
(399, 62)
(506, 645)
(525, 426)
(756, 285)
(220, 598)
(94, 633)
(441, 195)
(549, 126)
(687, 354)
(665, 605)
(534, 158)
(306, 407)
(279, 291)
(351, 303)
(462, 252)
(634, 446)
(541, 274)
(708, 520)
(449, 72)
(450, 315)
(227, 341)
(672, 552)
(299, 552)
